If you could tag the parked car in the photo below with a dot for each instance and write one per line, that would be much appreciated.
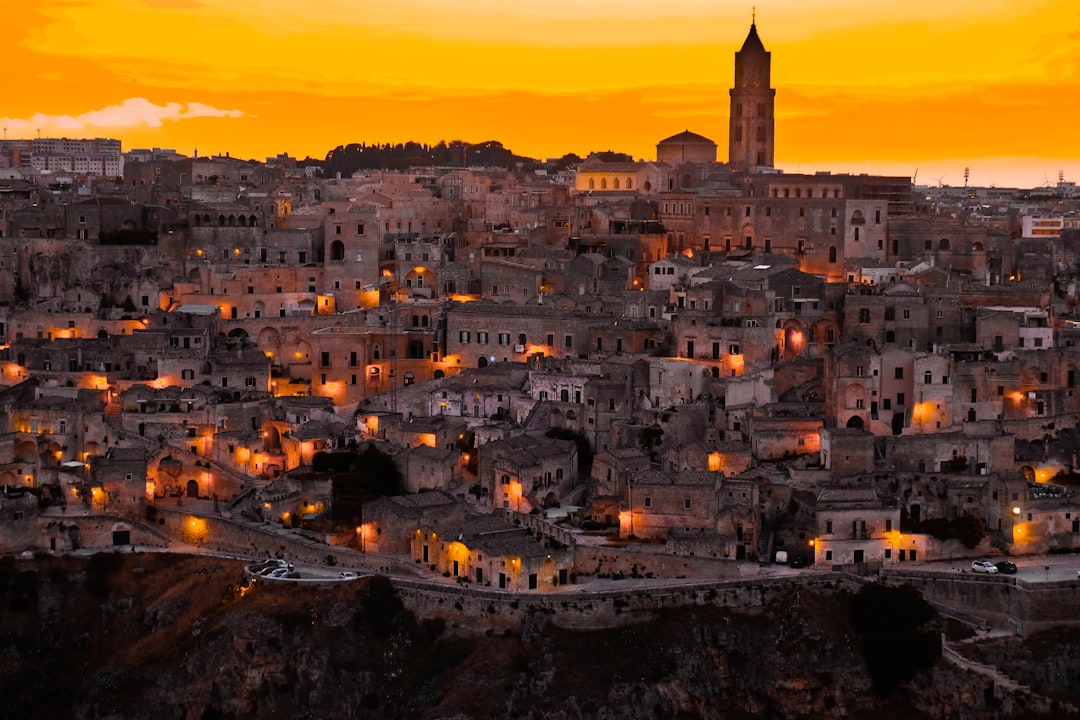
(1006, 566)
(590, 524)
(264, 566)
(348, 575)
(797, 561)
(781, 557)
(984, 566)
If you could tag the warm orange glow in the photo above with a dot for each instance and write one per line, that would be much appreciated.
(285, 63)
(715, 461)
(196, 531)
(426, 439)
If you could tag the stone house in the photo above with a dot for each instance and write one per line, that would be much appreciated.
(117, 484)
(392, 522)
(854, 525)
(19, 528)
(491, 552)
(661, 501)
(426, 468)
(526, 472)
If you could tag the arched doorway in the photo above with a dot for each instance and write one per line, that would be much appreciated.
(192, 489)
(855, 423)
(482, 362)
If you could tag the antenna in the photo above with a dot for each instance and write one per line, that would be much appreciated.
(1061, 173)
(967, 173)
(753, 15)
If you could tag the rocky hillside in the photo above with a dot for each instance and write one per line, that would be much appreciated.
(127, 636)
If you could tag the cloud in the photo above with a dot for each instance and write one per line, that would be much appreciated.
(131, 113)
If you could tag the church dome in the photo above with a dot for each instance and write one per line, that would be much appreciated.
(686, 147)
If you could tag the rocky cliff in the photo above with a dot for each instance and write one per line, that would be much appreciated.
(127, 636)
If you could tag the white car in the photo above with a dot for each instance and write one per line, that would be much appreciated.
(983, 566)
(348, 575)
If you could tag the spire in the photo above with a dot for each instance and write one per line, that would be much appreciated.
(752, 42)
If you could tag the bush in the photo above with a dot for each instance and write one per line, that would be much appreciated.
(968, 529)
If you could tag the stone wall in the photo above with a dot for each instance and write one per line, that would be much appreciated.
(999, 598)
(483, 609)
(630, 561)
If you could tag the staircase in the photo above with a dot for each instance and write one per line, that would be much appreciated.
(1035, 700)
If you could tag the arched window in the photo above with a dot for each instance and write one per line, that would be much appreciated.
(592, 184)
(648, 186)
(629, 183)
(616, 183)
(252, 221)
(423, 321)
(221, 220)
(337, 251)
(943, 244)
(832, 253)
(603, 183)
(416, 321)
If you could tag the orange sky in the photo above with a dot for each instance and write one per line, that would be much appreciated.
(934, 86)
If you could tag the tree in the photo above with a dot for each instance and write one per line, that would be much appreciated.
(584, 449)
(896, 644)
(373, 474)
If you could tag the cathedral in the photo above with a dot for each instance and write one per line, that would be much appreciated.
(750, 126)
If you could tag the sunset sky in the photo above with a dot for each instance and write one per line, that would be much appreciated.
(862, 86)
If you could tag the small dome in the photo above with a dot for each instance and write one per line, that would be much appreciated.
(686, 147)
(686, 138)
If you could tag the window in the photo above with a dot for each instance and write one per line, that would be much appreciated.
(463, 336)
(481, 338)
(648, 501)
(864, 316)
(687, 503)
(898, 373)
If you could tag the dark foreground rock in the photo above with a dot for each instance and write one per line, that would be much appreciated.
(131, 636)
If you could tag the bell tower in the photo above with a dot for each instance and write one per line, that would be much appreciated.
(751, 127)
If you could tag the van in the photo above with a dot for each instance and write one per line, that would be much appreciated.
(781, 557)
